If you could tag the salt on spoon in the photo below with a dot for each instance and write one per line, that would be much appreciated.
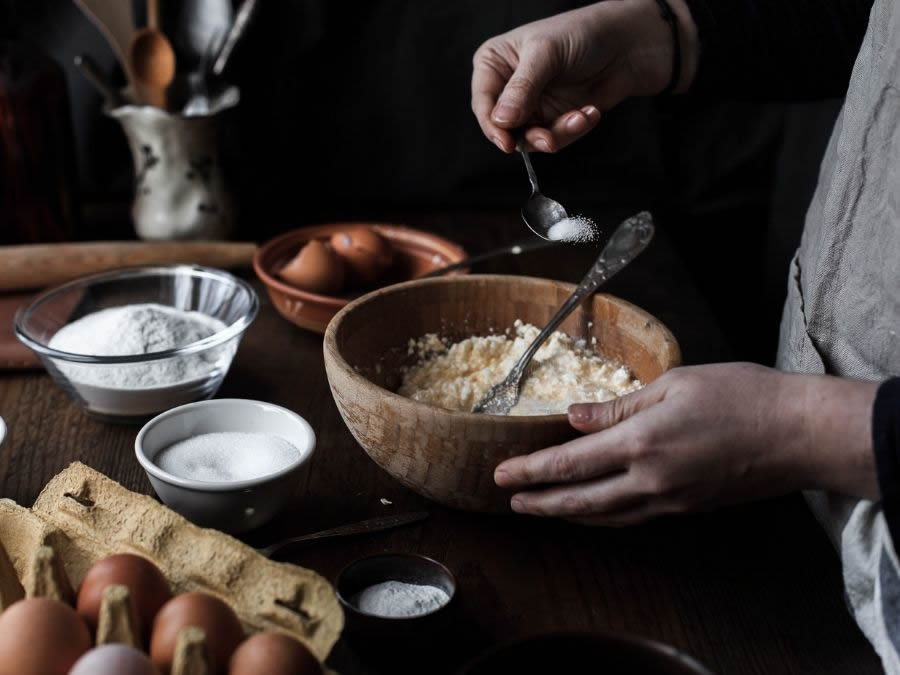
(574, 229)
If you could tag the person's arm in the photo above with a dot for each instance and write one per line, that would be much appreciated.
(550, 80)
(777, 49)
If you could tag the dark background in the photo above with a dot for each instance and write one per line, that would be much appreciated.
(361, 110)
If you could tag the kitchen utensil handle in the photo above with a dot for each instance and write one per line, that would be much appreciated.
(91, 71)
(153, 14)
(625, 244)
(628, 240)
(241, 21)
(531, 244)
(30, 266)
(371, 525)
(520, 146)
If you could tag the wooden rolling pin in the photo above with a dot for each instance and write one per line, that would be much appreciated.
(39, 265)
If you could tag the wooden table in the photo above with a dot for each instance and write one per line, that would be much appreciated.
(751, 589)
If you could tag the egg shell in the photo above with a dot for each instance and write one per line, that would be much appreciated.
(316, 268)
(114, 660)
(223, 629)
(273, 654)
(148, 588)
(367, 254)
(41, 636)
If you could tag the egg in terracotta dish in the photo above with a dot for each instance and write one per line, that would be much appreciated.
(316, 268)
(367, 254)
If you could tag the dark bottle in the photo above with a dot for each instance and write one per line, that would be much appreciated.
(37, 158)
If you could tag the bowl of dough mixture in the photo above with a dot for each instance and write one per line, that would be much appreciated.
(406, 365)
(130, 343)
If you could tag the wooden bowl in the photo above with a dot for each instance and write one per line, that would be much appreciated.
(416, 254)
(450, 456)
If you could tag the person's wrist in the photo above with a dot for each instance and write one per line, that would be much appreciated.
(690, 45)
(651, 55)
(837, 424)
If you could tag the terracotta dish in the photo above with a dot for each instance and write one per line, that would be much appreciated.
(450, 456)
(416, 253)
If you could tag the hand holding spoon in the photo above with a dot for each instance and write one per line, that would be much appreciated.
(629, 239)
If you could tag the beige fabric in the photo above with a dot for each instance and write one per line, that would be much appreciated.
(842, 315)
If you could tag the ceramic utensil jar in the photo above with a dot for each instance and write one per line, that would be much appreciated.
(180, 168)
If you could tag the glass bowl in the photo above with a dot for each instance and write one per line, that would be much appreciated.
(116, 388)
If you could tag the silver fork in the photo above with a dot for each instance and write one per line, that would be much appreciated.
(628, 240)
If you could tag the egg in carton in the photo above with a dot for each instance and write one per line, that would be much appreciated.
(81, 516)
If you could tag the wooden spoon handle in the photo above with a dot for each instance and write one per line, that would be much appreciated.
(153, 14)
(38, 265)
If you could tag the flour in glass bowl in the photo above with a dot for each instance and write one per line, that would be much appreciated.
(564, 371)
(132, 330)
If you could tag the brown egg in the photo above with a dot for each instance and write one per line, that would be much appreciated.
(273, 654)
(147, 586)
(41, 636)
(316, 268)
(367, 254)
(223, 629)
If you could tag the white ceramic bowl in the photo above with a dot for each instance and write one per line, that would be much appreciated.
(2, 430)
(232, 506)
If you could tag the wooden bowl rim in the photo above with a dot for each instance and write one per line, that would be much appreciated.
(456, 253)
(672, 355)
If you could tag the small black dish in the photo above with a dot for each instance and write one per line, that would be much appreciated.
(397, 644)
(406, 567)
(564, 652)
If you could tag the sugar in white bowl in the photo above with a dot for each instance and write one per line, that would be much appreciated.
(232, 463)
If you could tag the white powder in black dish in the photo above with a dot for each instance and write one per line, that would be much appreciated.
(397, 599)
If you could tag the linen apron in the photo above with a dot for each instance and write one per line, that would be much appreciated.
(842, 314)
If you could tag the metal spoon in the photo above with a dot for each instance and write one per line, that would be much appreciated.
(540, 213)
(629, 239)
(241, 21)
(512, 249)
(362, 527)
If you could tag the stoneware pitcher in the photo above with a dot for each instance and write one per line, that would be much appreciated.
(180, 184)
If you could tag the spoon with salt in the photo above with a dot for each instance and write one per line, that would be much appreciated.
(628, 240)
(540, 213)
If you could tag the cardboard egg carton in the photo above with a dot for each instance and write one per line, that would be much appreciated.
(81, 516)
